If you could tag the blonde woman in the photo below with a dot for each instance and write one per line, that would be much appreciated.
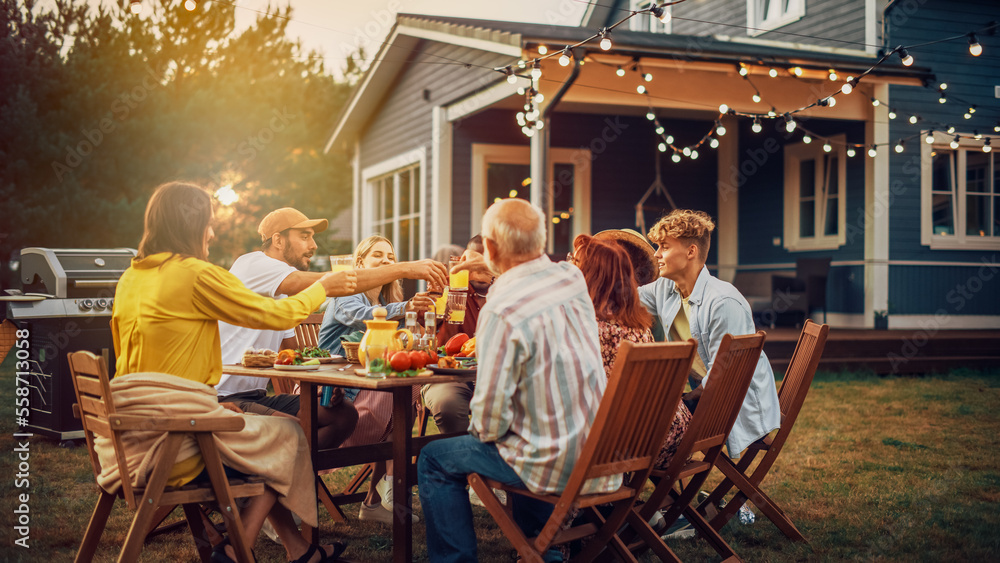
(348, 314)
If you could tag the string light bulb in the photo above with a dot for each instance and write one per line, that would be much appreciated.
(660, 129)
(807, 139)
(511, 77)
(675, 157)
(669, 139)
(539, 98)
(606, 40)
(904, 57)
(694, 155)
(827, 147)
(720, 129)
(756, 127)
(662, 147)
(536, 70)
(522, 64)
(876, 103)
(773, 73)
(714, 143)
(648, 77)
(520, 90)
(744, 70)
(986, 145)
(899, 146)
(687, 151)
(190, 5)
(914, 119)
(929, 139)
(951, 129)
(543, 50)
(650, 116)
(723, 108)
(620, 71)
(873, 151)
(942, 97)
(943, 86)
(975, 49)
(833, 75)
(797, 71)
(996, 128)
(564, 59)
(977, 135)
(848, 86)
(135, 7)
(789, 123)
(641, 89)
(851, 152)
(954, 142)
(892, 113)
(755, 98)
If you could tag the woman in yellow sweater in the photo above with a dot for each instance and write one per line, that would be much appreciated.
(165, 320)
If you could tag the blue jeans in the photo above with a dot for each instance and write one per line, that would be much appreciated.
(442, 470)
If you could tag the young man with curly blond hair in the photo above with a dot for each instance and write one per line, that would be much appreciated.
(691, 303)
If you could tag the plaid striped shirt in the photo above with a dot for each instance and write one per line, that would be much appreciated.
(541, 376)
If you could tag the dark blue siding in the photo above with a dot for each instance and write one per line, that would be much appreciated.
(845, 289)
(958, 290)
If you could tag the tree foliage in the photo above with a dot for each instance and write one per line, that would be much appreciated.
(98, 106)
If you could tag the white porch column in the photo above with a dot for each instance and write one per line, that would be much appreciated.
(877, 210)
(540, 165)
(440, 189)
(728, 199)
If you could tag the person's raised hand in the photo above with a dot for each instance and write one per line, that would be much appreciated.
(432, 271)
(473, 262)
(420, 302)
(339, 284)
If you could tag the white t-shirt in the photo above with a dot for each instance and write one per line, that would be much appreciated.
(261, 274)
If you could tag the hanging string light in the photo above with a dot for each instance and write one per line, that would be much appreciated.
(543, 50)
(135, 6)
(789, 123)
(660, 13)
(929, 139)
(807, 139)
(848, 86)
(606, 40)
(873, 151)
(850, 152)
(827, 147)
(744, 70)
(833, 75)
(875, 103)
(756, 127)
(905, 57)
(986, 145)
(954, 142)
(620, 71)
(190, 5)
(773, 73)
(899, 146)
(564, 59)
(720, 130)
(975, 49)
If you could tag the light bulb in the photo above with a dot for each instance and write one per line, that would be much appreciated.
(190, 5)
(974, 47)
(663, 15)
(833, 75)
(687, 151)
(772, 73)
(977, 135)
(875, 103)
(520, 91)
(996, 128)
(807, 139)
(543, 50)
(929, 139)
(899, 146)
(772, 113)
(650, 116)
(525, 130)
(659, 130)
(756, 98)
(972, 109)
(954, 142)
(662, 147)
(694, 155)
(872, 151)
(827, 147)
(620, 71)
(756, 127)
(606, 42)
(797, 71)
(530, 133)
(512, 78)
(892, 114)
(536, 71)
(905, 57)
(564, 60)
(720, 130)
(539, 124)
(942, 98)
(723, 108)
(744, 70)
(789, 123)
(675, 157)
(522, 64)
(914, 119)
(539, 98)
(647, 77)
(968, 115)
(847, 88)
(714, 143)
(641, 89)
(986, 145)
(831, 101)
(943, 86)
(850, 152)
(670, 139)
(135, 7)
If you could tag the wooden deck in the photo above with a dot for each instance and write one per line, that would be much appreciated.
(897, 352)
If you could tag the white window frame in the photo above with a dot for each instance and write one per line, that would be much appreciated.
(794, 155)
(960, 240)
(485, 154)
(414, 159)
(759, 22)
(646, 22)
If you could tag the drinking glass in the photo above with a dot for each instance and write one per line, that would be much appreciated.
(458, 280)
(456, 306)
(342, 263)
(375, 351)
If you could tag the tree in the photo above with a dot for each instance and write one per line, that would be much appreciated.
(99, 106)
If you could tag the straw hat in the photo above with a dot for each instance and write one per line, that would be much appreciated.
(628, 236)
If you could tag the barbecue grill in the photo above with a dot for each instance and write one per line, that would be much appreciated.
(65, 306)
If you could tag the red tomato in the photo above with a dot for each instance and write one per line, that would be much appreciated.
(284, 361)
(418, 359)
(432, 357)
(400, 361)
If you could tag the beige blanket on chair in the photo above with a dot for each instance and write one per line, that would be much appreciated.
(272, 447)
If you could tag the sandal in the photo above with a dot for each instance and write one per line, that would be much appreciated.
(338, 549)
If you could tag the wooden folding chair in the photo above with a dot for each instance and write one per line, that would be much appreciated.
(720, 403)
(96, 409)
(631, 423)
(792, 394)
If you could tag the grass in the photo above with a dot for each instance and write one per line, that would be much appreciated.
(877, 469)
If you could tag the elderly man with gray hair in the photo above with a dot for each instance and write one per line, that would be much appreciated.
(538, 387)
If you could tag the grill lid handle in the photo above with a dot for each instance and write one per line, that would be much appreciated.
(95, 283)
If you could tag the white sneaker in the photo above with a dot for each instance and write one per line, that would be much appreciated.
(474, 497)
(379, 513)
(384, 489)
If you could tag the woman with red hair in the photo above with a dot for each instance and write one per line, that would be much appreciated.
(620, 316)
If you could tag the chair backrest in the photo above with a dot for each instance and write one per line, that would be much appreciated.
(307, 333)
(720, 403)
(95, 404)
(636, 411)
(801, 369)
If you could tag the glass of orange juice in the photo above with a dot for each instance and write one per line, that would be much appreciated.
(457, 280)
(342, 263)
(456, 306)
(441, 303)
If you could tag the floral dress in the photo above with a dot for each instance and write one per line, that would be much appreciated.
(612, 334)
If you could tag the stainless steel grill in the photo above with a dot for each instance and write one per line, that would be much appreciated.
(66, 306)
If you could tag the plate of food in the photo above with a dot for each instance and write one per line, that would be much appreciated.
(324, 356)
(448, 365)
(294, 367)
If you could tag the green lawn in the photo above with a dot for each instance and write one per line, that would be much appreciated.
(877, 469)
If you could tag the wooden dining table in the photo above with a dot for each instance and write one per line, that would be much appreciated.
(401, 449)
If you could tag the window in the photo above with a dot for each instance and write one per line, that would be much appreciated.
(646, 22)
(395, 210)
(815, 202)
(960, 195)
(765, 15)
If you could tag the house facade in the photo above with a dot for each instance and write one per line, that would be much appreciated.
(691, 112)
